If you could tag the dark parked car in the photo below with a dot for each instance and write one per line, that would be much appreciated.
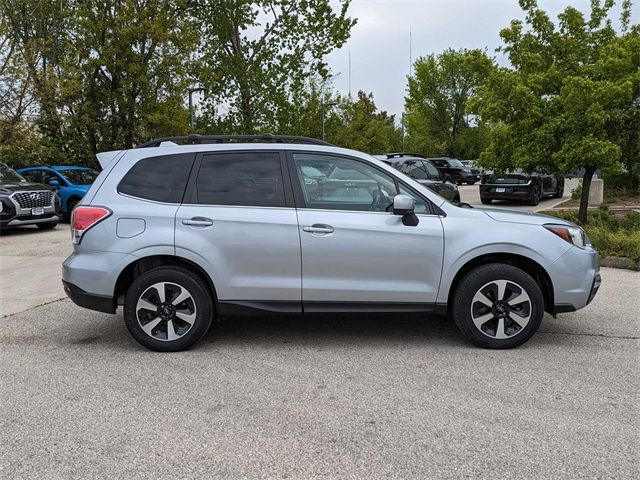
(456, 170)
(521, 186)
(26, 203)
(423, 172)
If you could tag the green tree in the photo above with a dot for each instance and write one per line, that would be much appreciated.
(361, 126)
(437, 119)
(106, 73)
(571, 100)
(259, 56)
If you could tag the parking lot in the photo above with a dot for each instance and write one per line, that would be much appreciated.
(320, 397)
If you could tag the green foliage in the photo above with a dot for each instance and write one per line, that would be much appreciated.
(259, 55)
(106, 74)
(611, 234)
(364, 128)
(437, 121)
(571, 99)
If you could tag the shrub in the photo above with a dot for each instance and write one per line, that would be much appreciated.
(611, 235)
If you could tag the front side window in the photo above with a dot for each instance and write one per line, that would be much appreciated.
(250, 179)
(161, 179)
(420, 170)
(344, 184)
(84, 176)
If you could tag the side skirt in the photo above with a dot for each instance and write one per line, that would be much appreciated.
(260, 307)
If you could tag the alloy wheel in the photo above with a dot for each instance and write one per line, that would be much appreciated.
(166, 311)
(501, 309)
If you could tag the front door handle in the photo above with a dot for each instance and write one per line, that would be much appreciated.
(198, 222)
(318, 228)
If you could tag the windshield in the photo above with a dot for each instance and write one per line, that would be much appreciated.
(84, 176)
(8, 175)
(421, 170)
(454, 162)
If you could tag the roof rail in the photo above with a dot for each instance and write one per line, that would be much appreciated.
(404, 154)
(196, 139)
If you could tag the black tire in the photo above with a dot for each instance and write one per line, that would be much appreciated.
(534, 198)
(471, 183)
(70, 206)
(486, 201)
(481, 278)
(47, 226)
(200, 300)
(559, 189)
(457, 179)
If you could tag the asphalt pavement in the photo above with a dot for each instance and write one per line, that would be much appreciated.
(322, 397)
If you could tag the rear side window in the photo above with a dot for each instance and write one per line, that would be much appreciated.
(161, 179)
(251, 179)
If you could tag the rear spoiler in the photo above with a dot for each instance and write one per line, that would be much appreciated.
(104, 158)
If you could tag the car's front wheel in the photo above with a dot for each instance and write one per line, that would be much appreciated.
(498, 306)
(457, 179)
(168, 309)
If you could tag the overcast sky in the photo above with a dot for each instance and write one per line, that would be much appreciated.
(379, 42)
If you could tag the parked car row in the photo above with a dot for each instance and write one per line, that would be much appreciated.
(41, 195)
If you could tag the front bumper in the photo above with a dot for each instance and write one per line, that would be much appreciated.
(470, 177)
(18, 221)
(576, 279)
(12, 214)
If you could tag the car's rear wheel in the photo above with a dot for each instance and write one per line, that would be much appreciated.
(559, 189)
(534, 198)
(168, 309)
(486, 201)
(47, 226)
(498, 306)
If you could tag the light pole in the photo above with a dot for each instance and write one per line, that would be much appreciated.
(330, 104)
(191, 92)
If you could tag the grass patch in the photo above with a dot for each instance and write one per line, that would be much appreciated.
(612, 234)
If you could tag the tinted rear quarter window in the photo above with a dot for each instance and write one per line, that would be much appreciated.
(161, 179)
(242, 179)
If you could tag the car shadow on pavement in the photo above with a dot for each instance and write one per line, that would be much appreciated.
(337, 329)
(271, 331)
(108, 332)
(26, 230)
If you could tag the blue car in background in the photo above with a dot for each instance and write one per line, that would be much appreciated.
(72, 182)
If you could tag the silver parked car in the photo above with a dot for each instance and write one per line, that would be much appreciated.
(179, 234)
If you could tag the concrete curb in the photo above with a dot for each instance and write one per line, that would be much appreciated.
(618, 262)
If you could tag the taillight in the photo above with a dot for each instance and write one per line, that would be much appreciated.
(85, 217)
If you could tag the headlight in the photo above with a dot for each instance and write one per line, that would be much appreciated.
(573, 235)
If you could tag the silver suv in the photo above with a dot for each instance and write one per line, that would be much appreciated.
(224, 225)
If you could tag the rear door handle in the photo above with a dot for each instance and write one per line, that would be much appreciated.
(198, 222)
(318, 228)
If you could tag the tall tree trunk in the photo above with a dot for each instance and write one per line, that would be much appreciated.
(584, 198)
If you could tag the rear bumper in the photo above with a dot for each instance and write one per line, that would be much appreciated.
(88, 300)
(511, 192)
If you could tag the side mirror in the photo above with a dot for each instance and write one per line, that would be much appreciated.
(403, 205)
(54, 183)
